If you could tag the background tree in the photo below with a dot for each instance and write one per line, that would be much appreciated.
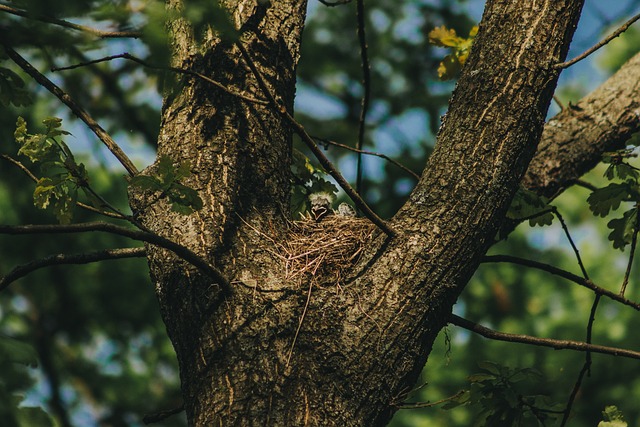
(248, 335)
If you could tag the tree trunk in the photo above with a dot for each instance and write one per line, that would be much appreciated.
(340, 337)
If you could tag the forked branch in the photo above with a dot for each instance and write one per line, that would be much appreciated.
(308, 140)
(66, 259)
(144, 236)
(75, 108)
(71, 25)
(541, 342)
(597, 46)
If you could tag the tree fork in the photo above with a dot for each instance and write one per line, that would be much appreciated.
(363, 341)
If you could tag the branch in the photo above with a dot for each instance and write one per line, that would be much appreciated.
(144, 236)
(370, 153)
(67, 24)
(162, 415)
(634, 241)
(541, 342)
(366, 85)
(75, 108)
(116, 214)
(585, 367)
(174, 69)
(65, 259)
(573, 141)
(573, 245)
(589, 51)
(417, 405)
(334, 3)
(564, 274)
(326, 163)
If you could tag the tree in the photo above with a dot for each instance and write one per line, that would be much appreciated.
(340, 338)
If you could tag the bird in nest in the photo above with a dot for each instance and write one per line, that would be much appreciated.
(321, 206)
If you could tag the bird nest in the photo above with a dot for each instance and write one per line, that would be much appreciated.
(324, 249)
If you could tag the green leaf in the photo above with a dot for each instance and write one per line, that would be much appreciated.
(146, 182)
(623, 228)
(18, 352)
(12, 89)
(603, 200)
(527, 204)
(461, 399)
(59, 194)
(32, 416)
(612, 418)
(184, 200)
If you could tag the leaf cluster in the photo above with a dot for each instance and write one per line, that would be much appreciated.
(62, 176)
(612, 417)
(501, 395)
(604, 200)
(528, 205)
(166, 182)
(459, 46)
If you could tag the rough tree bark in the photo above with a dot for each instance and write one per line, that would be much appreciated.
(282, 352)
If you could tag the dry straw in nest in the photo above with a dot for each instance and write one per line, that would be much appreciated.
(324, 249)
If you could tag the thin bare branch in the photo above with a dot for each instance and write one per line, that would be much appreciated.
(162, 415)
(369, 153)
(174, 69)
(75, 108)
(366, 86)
(632, 252)
(583, 184)
(334, 3)
(71, 25)
(311, 144)
(573, 245)
(603, 42)
(65, 259)
(586, 367)
(565, 274)
(20, 166)
(541, 342)
(417, 405)
(23, 168)
(144, 236)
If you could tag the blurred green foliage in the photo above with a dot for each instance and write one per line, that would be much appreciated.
(103, 357)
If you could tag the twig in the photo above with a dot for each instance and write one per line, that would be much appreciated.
(326, 163)
(557, 100)
(302, 316)
(583, 184)
(67, 24)
(634, 241)
(562, 273)
(156, 67)
(417, 405)
(64, 259)
(587, 363)
(144, 236)
(573, 245)
(116, 214)
(19, 164)
(334, 3)
(366, 86)
(75, 108)
(159, 416)
(603, 42)
(541, 342)
(369, 153)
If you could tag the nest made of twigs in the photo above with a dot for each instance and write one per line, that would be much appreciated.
(323, 249)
